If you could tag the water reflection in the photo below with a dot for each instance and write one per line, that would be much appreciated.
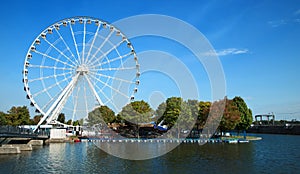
(273, 154)
(136, 150)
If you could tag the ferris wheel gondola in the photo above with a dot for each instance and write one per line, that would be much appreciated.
(77, 62)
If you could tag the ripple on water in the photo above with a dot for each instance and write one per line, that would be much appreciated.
(273, 154)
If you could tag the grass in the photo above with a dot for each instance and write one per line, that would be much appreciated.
(250, 138)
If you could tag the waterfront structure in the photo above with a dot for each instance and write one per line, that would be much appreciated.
(268, 116)
(268, 126)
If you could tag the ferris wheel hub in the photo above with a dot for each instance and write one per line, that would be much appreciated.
(82, 69)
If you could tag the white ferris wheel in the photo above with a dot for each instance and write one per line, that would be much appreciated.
(77, 64)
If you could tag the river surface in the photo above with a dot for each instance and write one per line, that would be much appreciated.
(272, 154)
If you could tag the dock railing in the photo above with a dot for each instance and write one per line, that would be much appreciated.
(22, 131)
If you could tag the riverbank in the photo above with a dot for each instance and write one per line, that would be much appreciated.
(250, 138)
(288, 129)
(18, 147)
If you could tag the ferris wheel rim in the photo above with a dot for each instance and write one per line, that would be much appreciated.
(52, 27)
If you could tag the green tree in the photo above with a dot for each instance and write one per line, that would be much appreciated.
(159, 112)
(107, 114)
(136, 112)
(186, 118)
(61, 118)
(3, 118)
(69, 122)
(101, 115)
(214, 116)
(94, 117)
(179, 114)
(80, 121)
(119, 119)
(231, 116)
(172, 112)
(36, 119)
(18, 116)
(194, 106)
(175, 107)
(245, 113)
(75, 123)
(204, 109)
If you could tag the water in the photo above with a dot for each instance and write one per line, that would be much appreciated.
(273, 154)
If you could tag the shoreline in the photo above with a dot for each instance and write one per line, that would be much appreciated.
(288, 129)
(250, 138)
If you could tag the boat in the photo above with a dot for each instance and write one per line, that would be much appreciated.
(77, 141)
(243, 141)
(231, 141)
(161, 127)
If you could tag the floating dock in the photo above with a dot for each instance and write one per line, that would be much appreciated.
(190, 141)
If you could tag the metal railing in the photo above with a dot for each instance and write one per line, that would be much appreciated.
(20, 130)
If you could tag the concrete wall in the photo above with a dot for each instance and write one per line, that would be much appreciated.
(57, 133)
(36, 142)
(22, 147)
(269, 129)
(9, 150)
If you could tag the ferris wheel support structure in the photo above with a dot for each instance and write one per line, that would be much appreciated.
(94, 91)
(76, 63)
(57, 105)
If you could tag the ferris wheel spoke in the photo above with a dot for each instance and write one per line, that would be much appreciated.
(113, 59)
(93, 90)
(119, 55)
(83, 42)
(77, 64)
(50, 87)
(108, 100)
(114, 69)
(100, 47)
(109, 86)
(55, 59)
(50, 101)
(49, 67)
(68, 48)
(75, 43)
(44, 86)
(85, 100)
(60, 102)
(57, 104)
(60, 52)
(113, 78)
(106, 53)
(92, 44)
(48, 77)
(75, 102)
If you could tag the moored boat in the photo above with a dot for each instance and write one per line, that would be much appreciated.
(243, 141)
(231, 141)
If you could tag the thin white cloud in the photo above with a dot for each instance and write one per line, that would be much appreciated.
(297, 20)
(277, 23)
(297, 12)
(228, 51)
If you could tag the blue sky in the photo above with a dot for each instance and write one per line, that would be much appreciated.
(257, 43)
